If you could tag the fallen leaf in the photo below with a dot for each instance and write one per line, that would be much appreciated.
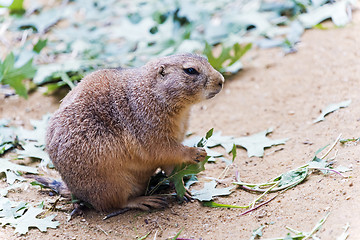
(32, 150)
(9, 212)
(255, 144)
(338, 12)
(257, 233)
(227, 142)
(38, 132)
(209, 191)
(342, 169)
(11, 169)
(331, 108)
(7, 136)
(4, 191)
(29, 219)
(41, 22)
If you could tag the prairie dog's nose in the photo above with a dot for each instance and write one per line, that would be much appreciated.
(221, 80)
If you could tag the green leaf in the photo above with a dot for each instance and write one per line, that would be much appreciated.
(349, 140)
(292, 178)
(209, 134)
(178, 234)
(331, 108)
(16, 7)
(227, 58)
(183, 170)
(144, 237)
(18, 85)
(210, 191)
(203, 141)
(239, 51)
(233, 151)
(14, 76)
(255, 144)
(40, 45)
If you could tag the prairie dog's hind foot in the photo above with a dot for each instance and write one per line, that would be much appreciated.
(144, 203)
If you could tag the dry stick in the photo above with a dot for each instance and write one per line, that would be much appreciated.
(102, 230)
(317, 227)
(250, 210)
(332, 147)
(330, 170)
(223, 173)
(268, 190)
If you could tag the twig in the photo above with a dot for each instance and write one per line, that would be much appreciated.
(262, 195)
(103, 230)
(317, 226)
(332, 147)
(155, 236)
(329, 169)
(250, 210)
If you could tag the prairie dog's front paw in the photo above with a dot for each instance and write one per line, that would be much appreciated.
(200, 155)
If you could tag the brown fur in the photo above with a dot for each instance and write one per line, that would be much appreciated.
(116, 127)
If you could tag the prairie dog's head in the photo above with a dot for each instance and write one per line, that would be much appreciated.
(186, 77)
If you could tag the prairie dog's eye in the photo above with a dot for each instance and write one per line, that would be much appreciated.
(191, 71)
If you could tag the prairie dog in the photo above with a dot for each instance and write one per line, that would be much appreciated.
(117, 126)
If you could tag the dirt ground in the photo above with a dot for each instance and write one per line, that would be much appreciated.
(283, 92)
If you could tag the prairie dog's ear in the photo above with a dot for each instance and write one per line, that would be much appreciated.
(161, 70)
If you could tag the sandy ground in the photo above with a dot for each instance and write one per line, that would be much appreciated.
(283, 92)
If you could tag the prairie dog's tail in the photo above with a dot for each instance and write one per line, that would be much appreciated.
(58, 186)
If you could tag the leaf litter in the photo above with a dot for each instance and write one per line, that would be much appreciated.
(303, 235)
(23, 217)
(295, 176)
(208, 192)
(113, 33)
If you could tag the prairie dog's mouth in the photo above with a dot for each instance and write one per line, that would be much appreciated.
(213, 93)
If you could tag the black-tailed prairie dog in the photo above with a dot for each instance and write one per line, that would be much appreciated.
(117, 126)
